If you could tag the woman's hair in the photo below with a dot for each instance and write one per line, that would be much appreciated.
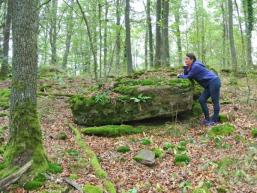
(191, 56)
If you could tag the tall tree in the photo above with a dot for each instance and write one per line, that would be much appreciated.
(25, 140)
(150, 32)
(165, 33)
(69, 29)
(176, 10)
(118, 32)
(249, 20)
(128, 38)
(53, 31)
(6, 33)
(231, 36)
(158, 33)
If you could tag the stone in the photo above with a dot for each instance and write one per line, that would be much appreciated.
(145, 157)
(134, 99)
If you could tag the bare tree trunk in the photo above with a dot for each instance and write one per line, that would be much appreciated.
(231, 36)
(197, 29)
(105, 38)
(100, 37)
(177, 5)
(93, 50)
(53, 31)
(118, 39)
(150, 33)
(68, 36)
(128, 38)
(146, 49)
(241, 33)
(165, 34)
(249, 19)
(6, 32)
(158, 34)
(224, 36)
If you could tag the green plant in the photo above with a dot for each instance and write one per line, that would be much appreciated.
(146, 141)
(72, 152)
(168, 146)
(123, 149)
(221, 130)
(140, 98)
(158, 152)
(54, 168)
(181, 159)
(102, 98)
(254, 132)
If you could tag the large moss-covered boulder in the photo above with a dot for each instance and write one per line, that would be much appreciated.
(148, 95)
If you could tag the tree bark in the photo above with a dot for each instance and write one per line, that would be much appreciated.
(69, 28)
(158, 34)
(177, 5)
(128, 38)
(6, 33)
(150, 32)
(231, 37)
(53, 32)
(165, 34)
(249, 20)
(118, 39)
(25, 140)
(241, 33)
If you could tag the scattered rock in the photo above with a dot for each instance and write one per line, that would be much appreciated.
(145, 157)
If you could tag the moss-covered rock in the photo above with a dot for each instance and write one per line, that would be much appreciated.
(134, 99)
(111, 130)
(221, 130)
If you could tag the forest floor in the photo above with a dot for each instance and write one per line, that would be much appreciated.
(229, 164)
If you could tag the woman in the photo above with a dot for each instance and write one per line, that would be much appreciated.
(195, 70)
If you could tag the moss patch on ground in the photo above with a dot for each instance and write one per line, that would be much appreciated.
(88, 188)
(4, 98)
(221, 130)
(99, 172)
(111, 130)
(254, 132)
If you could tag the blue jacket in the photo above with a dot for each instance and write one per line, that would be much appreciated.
(199, 73)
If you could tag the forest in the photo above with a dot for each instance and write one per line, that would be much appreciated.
(128, 96)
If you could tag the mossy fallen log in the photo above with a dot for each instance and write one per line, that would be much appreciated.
(128, 99)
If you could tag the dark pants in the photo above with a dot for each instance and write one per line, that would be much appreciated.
(213, 91)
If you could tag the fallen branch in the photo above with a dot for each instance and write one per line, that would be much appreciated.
(4, 183)
(73, 184)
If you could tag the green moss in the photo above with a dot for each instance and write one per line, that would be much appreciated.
(33, 185)
(221, 130)
(146, 141)
(62, 135)
(73, 176)
(201, 190)
(196, 109)
(126, 90)
(100, 173)
(224, 163)
(123, 149)
(109, 186)
(158, 152)
(111, 130)
(36, 183)
(25, 141)
(223, 118)
(254, 132)
(54, 168)
(181, 159)
(4, 98)
(73, 152)
(92, 189)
